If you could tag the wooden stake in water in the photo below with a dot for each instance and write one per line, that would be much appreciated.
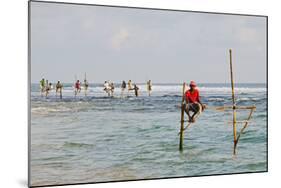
(61, 92)
(182, 117)
(246, 123)
(233, 104)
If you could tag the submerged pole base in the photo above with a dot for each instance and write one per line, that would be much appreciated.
(234, 148)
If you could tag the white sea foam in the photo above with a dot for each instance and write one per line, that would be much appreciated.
(177, 89)
(216, 99)
(46, 110)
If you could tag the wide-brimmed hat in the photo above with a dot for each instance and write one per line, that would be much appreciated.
(192, 83)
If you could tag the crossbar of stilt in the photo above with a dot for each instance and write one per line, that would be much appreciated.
(236, 107)
(245, 125)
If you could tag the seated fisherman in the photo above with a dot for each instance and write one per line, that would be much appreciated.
(59, 87)
(136, 88)
(107, 87)
(123, 87)
(111, 85)
(193, 103)
(42, 86)
(130, 86)
(49, 87)
(86, 84)
(77, 86)
(149, 87)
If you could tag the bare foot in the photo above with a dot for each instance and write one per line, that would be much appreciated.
(203, 107)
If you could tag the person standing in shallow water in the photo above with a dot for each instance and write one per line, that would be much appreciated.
(193, 103)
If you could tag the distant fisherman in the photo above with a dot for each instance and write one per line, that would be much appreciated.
(111, 88)
(77, 87)
(136, 88)
(149, 87)
(48, 88)
(59, 88)
(193, 102)
(123, 87)
(86, 85)
(130, 87)
(42, 86)
(106, 87)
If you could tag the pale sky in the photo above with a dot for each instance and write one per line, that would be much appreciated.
(110, 43)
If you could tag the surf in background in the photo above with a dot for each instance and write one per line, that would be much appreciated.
(123, 138)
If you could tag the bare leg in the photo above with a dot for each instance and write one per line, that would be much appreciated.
(187, 111)
(197, 112)
(192, 117)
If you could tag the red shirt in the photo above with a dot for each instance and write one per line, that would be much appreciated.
(77, 85)
(192, 96)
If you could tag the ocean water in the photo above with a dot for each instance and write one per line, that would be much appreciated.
(96, 138)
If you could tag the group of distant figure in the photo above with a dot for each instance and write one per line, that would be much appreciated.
(192, 97)
(46, 87)
(109, 87)
(78, 86)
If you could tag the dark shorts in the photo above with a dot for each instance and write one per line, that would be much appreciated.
(194, 107)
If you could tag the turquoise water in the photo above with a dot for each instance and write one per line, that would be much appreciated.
(96, 138)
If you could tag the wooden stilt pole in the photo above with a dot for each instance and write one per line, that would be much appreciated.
(61, 93)
(182, 118)
(233, 104)
(47, 88)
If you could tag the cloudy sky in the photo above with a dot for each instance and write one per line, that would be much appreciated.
(124, 43)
